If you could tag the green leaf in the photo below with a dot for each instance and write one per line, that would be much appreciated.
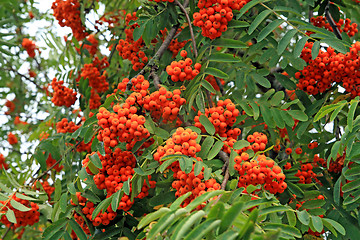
(19, 206)
(54, 228)
(77, 229)
(291, 218)
(10, 215)
(284, 228)
(337, 44)
(63, 202)
(198, 232)
(269, 28)
(315, 49)
(351, 185)
(176, 204)
(208, 86)
(223, 57)
(273, 209)
(237, 24)
(229, 43)
(204, 197)
(249, 5)
(299, 115)
(206, 146)
(295, 189)
(152, 217)
(186, 224)
(89, 134)
(336, 225)
(258, 20)
(316, 203)
(351, 113)
(102, 206)
(47, 146)
(240, 144)
(317, 223)
(209, 127)
(285, 41)
(96, 160)
(285, 81)
(230, 216)
(276, 99)
(138, 32)
(304, 217)
(261, 80)
(215, 150)
(267, 115)
(216, 73)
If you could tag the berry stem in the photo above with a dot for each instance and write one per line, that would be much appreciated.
(332, 22)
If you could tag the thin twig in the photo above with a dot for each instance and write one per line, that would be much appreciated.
(7, 231)
(226, 160)
(211, 104)
(332, 22)
(190, 27)
(26, 78)
(155, 77)
(221, 87)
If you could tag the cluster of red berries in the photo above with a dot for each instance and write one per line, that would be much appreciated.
(222, 117)
(12, 139)
(260, 171)
(306, 174)
(185, 183)
(97, 80)
(29, 46)
(182, 70)
(92, 47)
(164, 104)
(343, 26)
(183, 141)
(64, 126)
(67, 12)
(214, 16)
(50, 161)
(11, 107)
(3, 164)
(130, 49)
(211, 79)
(111, 18)
(22, 218)
(298, 150)
(328, 68)
(62, 96)
(122, 125)
(87, 208)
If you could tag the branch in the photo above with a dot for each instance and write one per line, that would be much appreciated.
(7, 231)
(226, 160)
(190, 27)
(209, 98)
(221, 87)
(332, 22)
(26, 78)
(155, 77)
(157, 55)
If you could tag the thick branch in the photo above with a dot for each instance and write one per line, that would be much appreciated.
(190, 27)
(155, 77)
(332, 23)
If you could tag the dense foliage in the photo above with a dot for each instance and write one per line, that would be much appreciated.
(193, 119)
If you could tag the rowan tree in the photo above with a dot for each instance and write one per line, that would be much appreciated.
(181, 119)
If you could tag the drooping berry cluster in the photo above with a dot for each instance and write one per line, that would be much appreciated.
(3, 164)
(46, 186)
(214, 16)
(260, 171)
(12, 139)
(92, 47)
(50, 161)
(174, 45)
(183, 141)
(130, 49)
(67, 12)
(328, 68)
(342, 25)
(182, 70)
(29, 46)
(22, 218)
(64, 126)
(223, 117)
(62, 96)
(92, 72)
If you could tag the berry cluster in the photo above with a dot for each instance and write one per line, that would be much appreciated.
(12, 139)
(46, 186)
(174, 45)
(182, 70)
(330, 67)
(130, 49)
(343, 26)
(214, 16)
(3, 164)
(306, 174)
(260, 171)
(11, 107)
(123, 125)
(29, 46)
(92, 72)
(22, 218)
(62, 96)
(64, 126)
(67, 12)
(183, 141)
